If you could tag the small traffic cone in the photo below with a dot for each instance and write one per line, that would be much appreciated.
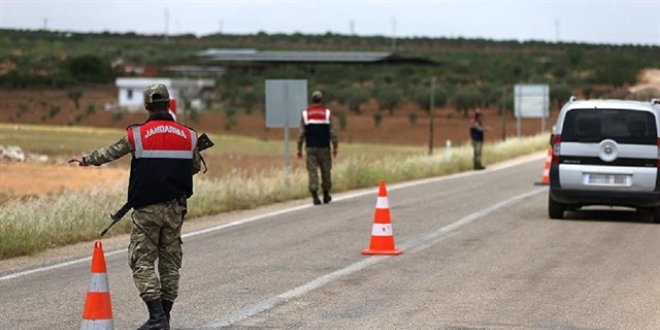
(545, 179)
(97, 313)
(382, 238)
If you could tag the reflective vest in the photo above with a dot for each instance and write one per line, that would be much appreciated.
(161, 168)
(317, 127)
(475, 133)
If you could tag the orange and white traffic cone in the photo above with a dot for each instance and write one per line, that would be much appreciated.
(382, 237)
(97, 313)
(545, 179)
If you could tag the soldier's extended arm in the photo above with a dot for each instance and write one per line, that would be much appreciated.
(481, 127)
(301, 136)
(105, 155)
(333, 136)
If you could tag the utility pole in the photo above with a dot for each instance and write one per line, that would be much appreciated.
(393, 34)
(221, 23)
(556, 30)
(351, 25)
(431, 115)
(167, 24)
(45, 23)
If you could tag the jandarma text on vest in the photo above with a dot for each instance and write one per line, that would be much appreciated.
(164, 129)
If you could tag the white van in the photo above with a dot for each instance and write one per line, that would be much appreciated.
(606, 152)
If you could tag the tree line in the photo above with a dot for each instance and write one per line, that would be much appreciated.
(470, 72)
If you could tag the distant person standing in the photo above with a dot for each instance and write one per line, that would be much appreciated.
(317, 133)
(477, 130)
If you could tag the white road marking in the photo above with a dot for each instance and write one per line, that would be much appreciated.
(421, 242)
(369, 191)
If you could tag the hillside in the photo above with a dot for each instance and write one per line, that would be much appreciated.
(66, 78)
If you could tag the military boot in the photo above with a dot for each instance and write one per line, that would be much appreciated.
(315, 198)
(326, 197)
(157, 319)
(167, 307)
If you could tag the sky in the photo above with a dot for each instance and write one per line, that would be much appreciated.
(598, 22)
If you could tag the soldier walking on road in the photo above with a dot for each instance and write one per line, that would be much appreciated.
(477, 130)
(317, 132)
(165, 158)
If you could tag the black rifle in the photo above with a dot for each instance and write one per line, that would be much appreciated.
(203, 143)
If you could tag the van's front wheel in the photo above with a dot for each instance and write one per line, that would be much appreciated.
(555, 210)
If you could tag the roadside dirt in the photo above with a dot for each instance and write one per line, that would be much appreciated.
(649, 79)
(22, 179)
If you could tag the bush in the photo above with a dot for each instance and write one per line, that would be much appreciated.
(378, 117)
(53, 110)
(91, 109)
(467, 99)
(422, 97)
(389, 97)
(230, 114)
(342, 120)
(75, 95)
(90, 69)
(559, 94)
(353, 97)
(117, 117)
(412, 117)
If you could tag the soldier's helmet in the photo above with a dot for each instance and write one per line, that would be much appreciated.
(317, 96)
(156, 93)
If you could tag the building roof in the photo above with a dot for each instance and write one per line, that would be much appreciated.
(140, 82)
(253, 55)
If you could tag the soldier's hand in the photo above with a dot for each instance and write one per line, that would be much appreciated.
(299, 153)
(77, 159)
(334, 153)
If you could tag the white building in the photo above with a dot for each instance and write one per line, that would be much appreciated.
(131, 91)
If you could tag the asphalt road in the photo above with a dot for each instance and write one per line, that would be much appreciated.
(479, 253)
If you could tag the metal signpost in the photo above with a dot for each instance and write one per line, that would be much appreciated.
(285, 101)
(531, 101)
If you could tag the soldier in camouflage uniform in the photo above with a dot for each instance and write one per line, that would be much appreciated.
(317, 132)
(164, 159)
(477, 130)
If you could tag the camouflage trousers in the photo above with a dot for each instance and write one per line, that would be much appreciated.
(478, 147)
(156, 235)
(319, 157)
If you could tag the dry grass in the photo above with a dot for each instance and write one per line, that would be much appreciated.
(33, 224)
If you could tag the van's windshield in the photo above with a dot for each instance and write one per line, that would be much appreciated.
(622, 126)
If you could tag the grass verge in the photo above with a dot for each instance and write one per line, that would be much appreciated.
(31, 225)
